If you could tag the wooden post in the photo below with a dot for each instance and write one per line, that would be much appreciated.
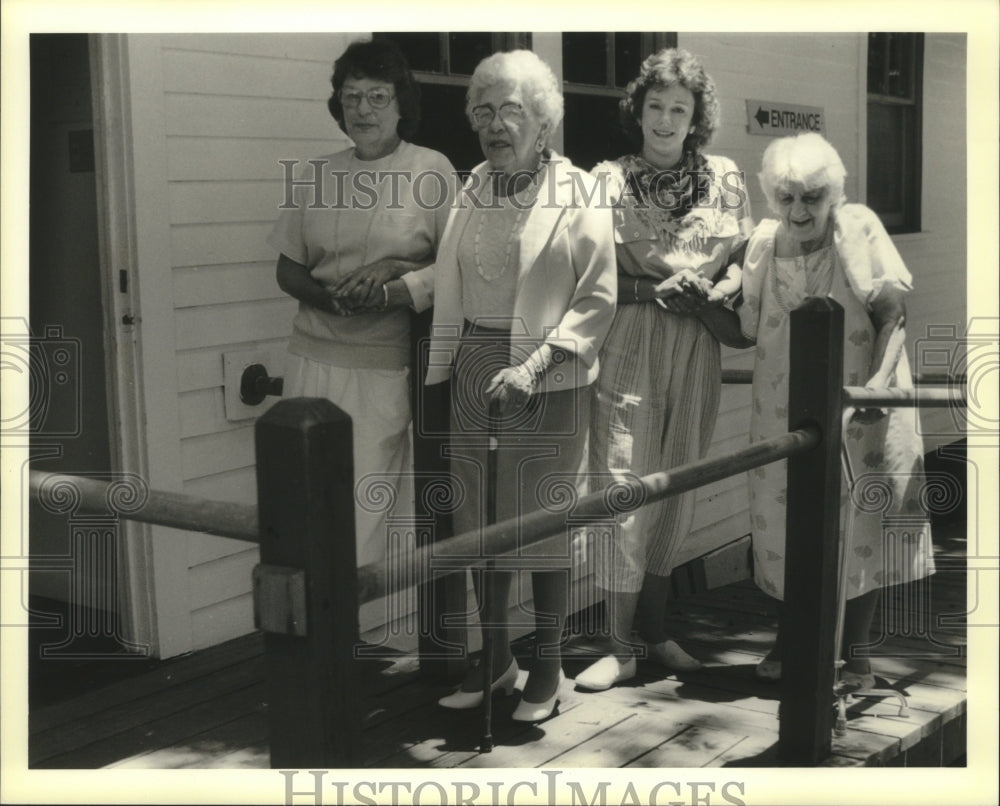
(808, 617)
(308, 572)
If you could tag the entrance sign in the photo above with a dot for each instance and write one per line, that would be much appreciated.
(773, 119)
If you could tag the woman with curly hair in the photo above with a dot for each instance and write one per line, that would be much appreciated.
(679, 217)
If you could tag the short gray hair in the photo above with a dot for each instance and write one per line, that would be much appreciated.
(524, 68)
(807, 159)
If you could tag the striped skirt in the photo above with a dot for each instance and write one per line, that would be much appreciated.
(654, 407)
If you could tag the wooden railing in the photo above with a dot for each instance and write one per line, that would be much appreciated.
(307, 588)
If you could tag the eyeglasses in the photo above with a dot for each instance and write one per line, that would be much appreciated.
(510, 112)
(377, 98)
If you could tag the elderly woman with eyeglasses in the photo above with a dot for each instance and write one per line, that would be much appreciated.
(355, 224)
(820, 246)
(524, 293)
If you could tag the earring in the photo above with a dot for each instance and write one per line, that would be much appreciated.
(539, 145)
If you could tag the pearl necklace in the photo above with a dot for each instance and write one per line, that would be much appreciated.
(492, 272)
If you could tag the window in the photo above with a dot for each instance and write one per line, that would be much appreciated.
(596, 69)
(895, 91)
(442, 63)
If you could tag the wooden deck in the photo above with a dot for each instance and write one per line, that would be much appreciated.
(207, 710)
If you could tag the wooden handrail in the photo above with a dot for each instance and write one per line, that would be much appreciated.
(176, 510)
(471, 549)
(860, 397)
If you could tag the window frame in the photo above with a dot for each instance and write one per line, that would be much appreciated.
(906, 218)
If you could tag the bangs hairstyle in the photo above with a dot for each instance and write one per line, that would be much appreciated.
(666, 68)
(527, 71)
(381, 60)
(805, 159)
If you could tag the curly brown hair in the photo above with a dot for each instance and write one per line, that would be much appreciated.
(379, 59)
(663, 69)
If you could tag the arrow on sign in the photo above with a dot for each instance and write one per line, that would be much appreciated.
(761, 116)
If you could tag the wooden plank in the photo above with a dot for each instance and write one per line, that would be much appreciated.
(204, 412)
(63, 740)
(729, 563)
(125, 693)
(273, 118)
(242, 74)
(202, 159)
(162, 732)
(207, 244)
(302, 47)
(701, 746)
(234, 744)
(223, 621)
(241, 282)
(215, 202)
(624, 742)
(247, 322)
(217, 453)
(221, 579)
(201, 368)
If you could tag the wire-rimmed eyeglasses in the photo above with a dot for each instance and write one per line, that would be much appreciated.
(510, 112)
(378, 98)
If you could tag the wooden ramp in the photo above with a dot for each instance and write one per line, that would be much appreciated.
(208, 710)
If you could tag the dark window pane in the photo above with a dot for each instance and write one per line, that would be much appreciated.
(422, 51)
(444, 127)
(876, 63)
(585, 58)
(885, 158)
(592, 132)
(467, 50)
(628, 57)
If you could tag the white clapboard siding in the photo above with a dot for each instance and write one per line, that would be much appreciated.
(207, 244)
(936, 257)
(216, 453)
(203, 368)
(226, 202)
(242, 75)
(233, 106)
(225, 324)
(222, 620)
(300, 47)
(217, 116)
(234, 282)
(221, 579)
(204, 159)
(204, 412)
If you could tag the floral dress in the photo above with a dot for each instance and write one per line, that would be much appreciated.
(887, 527)
(656, 399)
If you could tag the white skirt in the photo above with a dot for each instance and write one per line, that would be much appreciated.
(378, 402)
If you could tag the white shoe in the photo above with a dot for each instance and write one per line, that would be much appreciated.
(603, 674)
(537, 711)
(464, 700)
(669, 655)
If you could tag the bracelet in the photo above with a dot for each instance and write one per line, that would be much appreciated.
(385, 297)
(635, 289)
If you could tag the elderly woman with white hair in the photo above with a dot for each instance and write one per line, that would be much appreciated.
(524, 293)
(820, 246)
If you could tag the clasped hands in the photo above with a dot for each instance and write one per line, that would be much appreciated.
(361, 290)
(687, 292)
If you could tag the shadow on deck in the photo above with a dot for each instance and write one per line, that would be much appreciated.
(208, 709)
